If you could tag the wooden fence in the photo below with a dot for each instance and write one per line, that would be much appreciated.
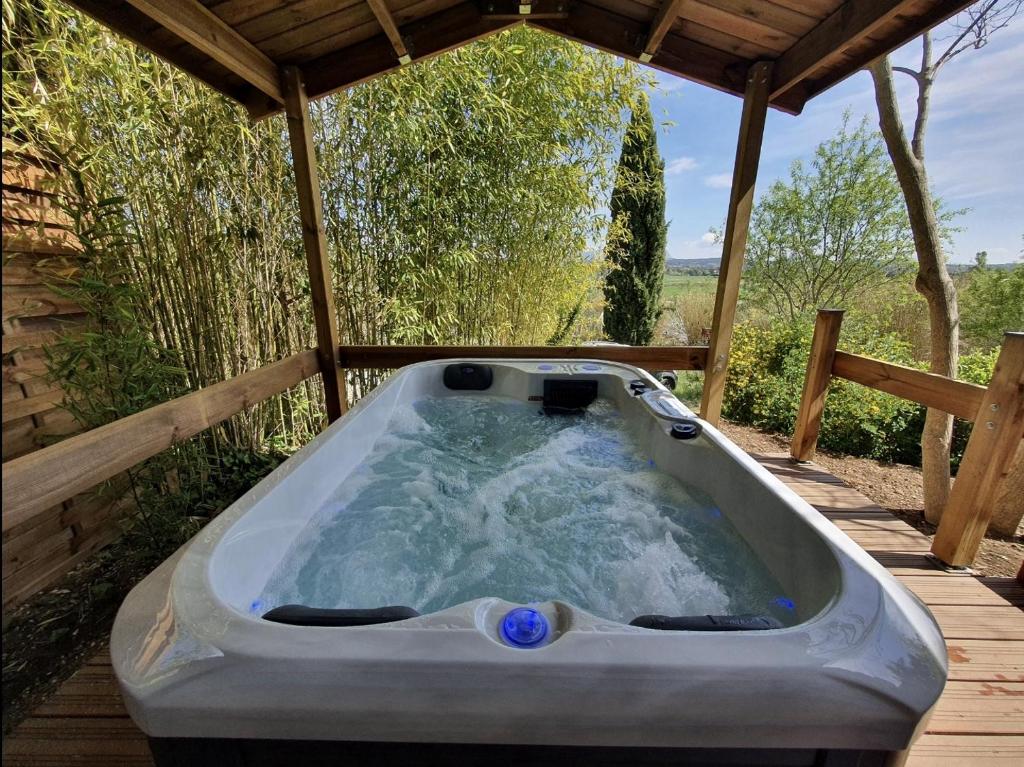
(997, 412)
(36, 250)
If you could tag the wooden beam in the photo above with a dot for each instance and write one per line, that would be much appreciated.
(651, 357)
(873, 27)
(998, 430)
(663, 21)
(314, 240)
(133, 25)
(362, 61)
(40, 480)
(586, 24)
(387, 23)
(514, 10)
(741, 203)
(960, 398)
(852, 21)
(201, 28)
(610, 32)
(819, 373)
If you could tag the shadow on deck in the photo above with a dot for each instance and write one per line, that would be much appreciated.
(978, 721)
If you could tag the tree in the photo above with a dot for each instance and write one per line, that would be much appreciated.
(993, 304)
(636, 248)
(972, 30)
(833, 232)
(461, 195)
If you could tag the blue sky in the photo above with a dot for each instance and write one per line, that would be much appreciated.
(974, 149)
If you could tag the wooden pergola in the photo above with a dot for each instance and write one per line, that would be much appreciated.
(275, 55)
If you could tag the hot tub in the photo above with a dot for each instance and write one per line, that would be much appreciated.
(515, 518)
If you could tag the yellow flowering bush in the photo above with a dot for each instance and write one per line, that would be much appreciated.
(766, 376)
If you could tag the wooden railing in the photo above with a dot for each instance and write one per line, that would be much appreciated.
(997, 412)
(650, 357)
(38, 481)
(41, 479)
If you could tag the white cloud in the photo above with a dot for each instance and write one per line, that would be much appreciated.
(666, 83)
(719, 181)
(702, 247)
(680, 165)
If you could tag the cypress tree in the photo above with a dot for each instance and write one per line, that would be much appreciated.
(636, 249)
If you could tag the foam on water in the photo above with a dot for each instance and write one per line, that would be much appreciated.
(472, 496)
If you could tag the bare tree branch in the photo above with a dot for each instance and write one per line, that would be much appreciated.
(982, 24)
(924, 96)
(908, 71)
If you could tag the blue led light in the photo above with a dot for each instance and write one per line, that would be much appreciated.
(524, 627)
(256, 606)
(783, 602)
(591, 366)
(545, 367)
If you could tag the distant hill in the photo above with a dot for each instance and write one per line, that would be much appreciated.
(694, 262)
(961, 268)
(693, 265)
(710, 266)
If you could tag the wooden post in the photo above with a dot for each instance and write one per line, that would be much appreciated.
(819, 373)
(998, 430)
(741, 201)
(300, 134)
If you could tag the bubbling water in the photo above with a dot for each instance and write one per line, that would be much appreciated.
(472, 496)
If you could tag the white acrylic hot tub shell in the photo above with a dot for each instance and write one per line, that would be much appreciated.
(860, 671)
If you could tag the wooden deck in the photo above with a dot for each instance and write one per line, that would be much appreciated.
(979, 719)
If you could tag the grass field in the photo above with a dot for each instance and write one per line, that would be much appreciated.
(687, 285)
(691, 298)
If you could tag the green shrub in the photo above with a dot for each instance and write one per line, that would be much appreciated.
(766, 377)
(975, 367)
(992, 302)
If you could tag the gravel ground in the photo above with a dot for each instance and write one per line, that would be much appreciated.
(48, 638)
(892, 486)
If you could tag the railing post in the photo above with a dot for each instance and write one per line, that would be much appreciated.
(819, 372)
(737, 222)
(314, 241)
(998, 429)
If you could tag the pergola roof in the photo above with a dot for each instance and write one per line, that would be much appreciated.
(239, 46)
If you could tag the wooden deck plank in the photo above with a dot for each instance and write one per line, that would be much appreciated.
(1010, 589)
(952, 591)
(932, 750)
(84, 695)
(979, 708)
(978, 721)
(980, 660)
(979, 622)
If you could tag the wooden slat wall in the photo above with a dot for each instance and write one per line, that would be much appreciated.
(35, 250)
